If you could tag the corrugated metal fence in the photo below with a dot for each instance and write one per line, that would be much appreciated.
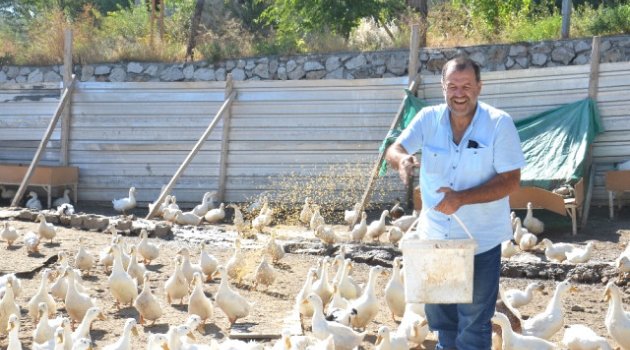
(288, 138)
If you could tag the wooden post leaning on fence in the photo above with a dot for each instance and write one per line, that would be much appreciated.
(374, 174)
(414, 48)
(225, 141)
(593, 84)
(566, 18)
(66, 114)
(224, 107)
(65, 97)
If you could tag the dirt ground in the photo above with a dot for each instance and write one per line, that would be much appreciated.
(272, 310)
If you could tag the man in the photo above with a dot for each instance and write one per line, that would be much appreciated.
(471, 160)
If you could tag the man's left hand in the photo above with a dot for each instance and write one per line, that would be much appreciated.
(451, 201)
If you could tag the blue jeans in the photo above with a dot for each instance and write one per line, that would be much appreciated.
(467, 326)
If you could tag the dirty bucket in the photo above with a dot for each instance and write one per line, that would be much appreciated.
(439, 271)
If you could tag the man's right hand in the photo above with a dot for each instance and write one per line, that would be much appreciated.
(406, 166)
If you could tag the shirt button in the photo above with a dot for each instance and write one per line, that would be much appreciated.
(454, 167)
(449, 219)
(451, 184)
(456, 151)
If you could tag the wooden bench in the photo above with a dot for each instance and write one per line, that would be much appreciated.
(617, 182)
(46, 177)
(543, 199)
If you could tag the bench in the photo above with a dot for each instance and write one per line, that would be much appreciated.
(46, 177)
(617, 182)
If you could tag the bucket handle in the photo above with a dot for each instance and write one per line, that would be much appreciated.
(459, 221)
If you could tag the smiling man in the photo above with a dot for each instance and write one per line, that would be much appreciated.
(471, 161)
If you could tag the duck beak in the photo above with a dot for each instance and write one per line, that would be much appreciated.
(215, 274)
(134, 331)
(165, 346)
(191, 336)
(379, 339)
(606, 295)
(101, 316)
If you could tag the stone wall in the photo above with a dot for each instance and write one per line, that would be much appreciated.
(349, 65)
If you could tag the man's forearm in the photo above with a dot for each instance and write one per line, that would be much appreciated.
(496, 188)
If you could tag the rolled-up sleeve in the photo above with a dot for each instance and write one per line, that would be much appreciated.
(507, 147)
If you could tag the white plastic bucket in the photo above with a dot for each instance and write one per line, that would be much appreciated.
(439, 271)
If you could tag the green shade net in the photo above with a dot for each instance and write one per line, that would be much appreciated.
(410, 109)
(555, 142)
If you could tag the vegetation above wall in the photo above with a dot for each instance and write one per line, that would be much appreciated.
(32, 31)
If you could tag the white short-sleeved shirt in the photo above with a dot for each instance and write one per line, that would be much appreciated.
(489, 146)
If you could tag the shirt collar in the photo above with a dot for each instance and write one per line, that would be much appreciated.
(445, 122)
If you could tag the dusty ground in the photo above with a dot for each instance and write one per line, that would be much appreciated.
(273, 306)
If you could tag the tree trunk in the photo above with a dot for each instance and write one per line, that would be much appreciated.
(194, 26)
(422, 7)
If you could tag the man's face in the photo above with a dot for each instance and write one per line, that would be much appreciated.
(461, 90)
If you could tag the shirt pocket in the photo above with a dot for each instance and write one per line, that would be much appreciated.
(434, 160)
(477, 161)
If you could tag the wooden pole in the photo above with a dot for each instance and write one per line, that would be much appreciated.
(161, 24)
(370, 186)
(566, 18)
(192, 154)
(414, 47)
(593, 84)
(151, 22)
(42, 145)
(66, 115)
(225, 141)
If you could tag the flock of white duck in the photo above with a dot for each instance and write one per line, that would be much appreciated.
(340, 309)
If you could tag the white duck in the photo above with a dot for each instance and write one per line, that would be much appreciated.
(377, 227)
(8, 307)
(189, 268)
(83, 330)
(515, 341)
(45, 229)
(13, 327)
(316, 219)
(207, 262)
(348, 287)
(187, 218)
(580, 337)
(395, 291)
(230, 302)
(394, 235)
(580, 255)
(33, 202)
(83, 260)
(206, 204)
(242, 226)
(65, 209)
(176, 286)
(45, 329)
(350, 216)
(528, 241)
(124, 342)
(508, 249)
(344, 337)
(9, 234)
(387, 341)
(367, 304)
(65, 199)
(31, 242)
(146, 303)
(531, 223)
(519, 231)
(42, 296)
(360, 229)
(198, 303)
(556, 251)
(307, 212)
(264, 274)
(322, 286)
(303, 308)
(6, 193)
(414, 325)
(127, 203)
(135, 269)
(148, 250)
(549, 322)
(157, 341)
(327, 235)
(77, 303)
(617, 320)
(16, 285)
(236, 264)
(123, 287)
(215, 215)
(338, 304)
(404, 222)
(53, 342)
(274, 249)
(518, 298)
(82, 344)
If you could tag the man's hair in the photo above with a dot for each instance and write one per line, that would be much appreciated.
(461, 63)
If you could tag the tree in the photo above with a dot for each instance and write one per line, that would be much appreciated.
(295, 20)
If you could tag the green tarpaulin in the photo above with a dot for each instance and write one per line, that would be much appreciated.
(555, 142)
